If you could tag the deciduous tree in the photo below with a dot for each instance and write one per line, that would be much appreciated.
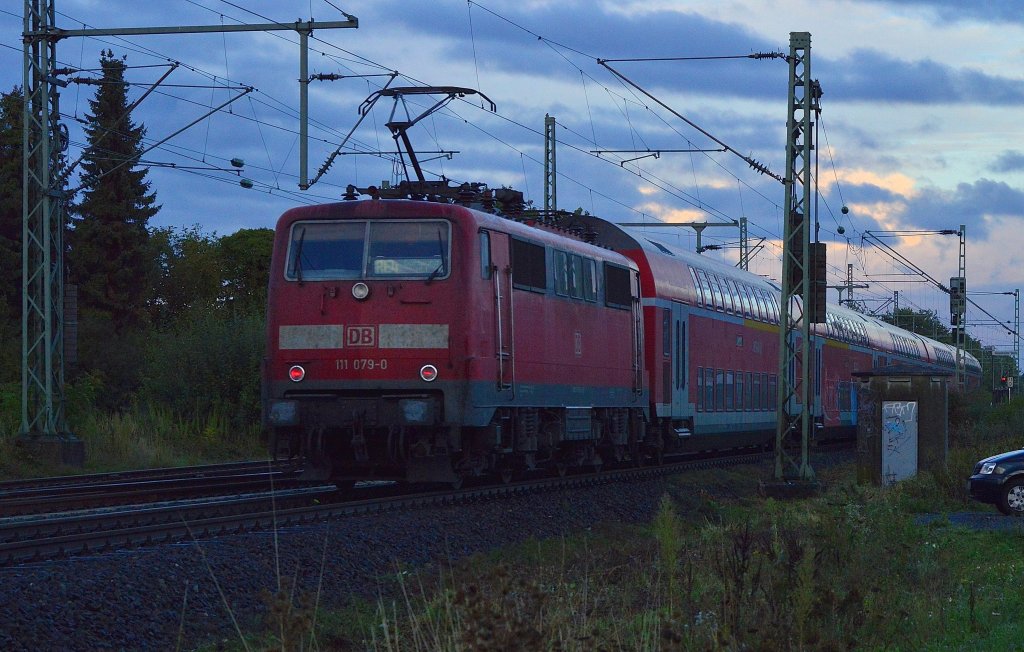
(245, 264)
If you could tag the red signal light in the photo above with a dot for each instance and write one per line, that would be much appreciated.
(296, 373)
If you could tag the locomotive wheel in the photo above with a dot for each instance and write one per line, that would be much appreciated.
(457, 482)
(562, 469)
(507, 476)
(1011, 499)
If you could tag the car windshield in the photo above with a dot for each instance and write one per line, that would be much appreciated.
(368, 249)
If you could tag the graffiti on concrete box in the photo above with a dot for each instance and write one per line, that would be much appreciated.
(899, 440)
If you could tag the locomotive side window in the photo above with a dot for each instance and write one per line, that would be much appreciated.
(561, 273)
(617, 287)
(575, 276)
(589, 279)
(485, 254)
(529, 268)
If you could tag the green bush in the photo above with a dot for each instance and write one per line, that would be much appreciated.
(207, 368)
(10, 408)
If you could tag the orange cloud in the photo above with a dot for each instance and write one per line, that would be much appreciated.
(896, 182)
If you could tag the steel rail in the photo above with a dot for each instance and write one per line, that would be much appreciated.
(152, 474)
(53, 536)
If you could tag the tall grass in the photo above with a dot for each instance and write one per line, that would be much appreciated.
(850, 569)
(140, 436)
(153, 436)
(194, 399)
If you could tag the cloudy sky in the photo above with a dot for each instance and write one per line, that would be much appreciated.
(920, 128)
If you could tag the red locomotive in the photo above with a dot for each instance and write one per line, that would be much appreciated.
(433, 341)
(438, 340)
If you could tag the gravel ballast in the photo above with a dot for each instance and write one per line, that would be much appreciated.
(168, 597)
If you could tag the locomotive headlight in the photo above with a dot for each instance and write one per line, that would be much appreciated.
(417, 410)
(428, 372)
(296, 373)
(360, 291)
(284, 413)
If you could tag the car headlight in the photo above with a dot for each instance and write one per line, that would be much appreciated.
(987, 468)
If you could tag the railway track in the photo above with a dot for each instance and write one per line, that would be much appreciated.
(143, 474)
(67, 493)
(47, 536)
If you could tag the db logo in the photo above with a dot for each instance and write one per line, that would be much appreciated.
(360, 336)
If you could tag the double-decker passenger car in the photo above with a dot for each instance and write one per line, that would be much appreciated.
(712, 334)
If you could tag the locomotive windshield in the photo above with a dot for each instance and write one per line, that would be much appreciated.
(368, 249)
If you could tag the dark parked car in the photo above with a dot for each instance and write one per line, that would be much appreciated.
(1000, 480)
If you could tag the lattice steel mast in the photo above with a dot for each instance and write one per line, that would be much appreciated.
(42, 299)
(960, 313)
(550, 166)
(795, 361)
(42, 405)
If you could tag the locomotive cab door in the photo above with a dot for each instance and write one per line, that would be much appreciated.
(500, 265)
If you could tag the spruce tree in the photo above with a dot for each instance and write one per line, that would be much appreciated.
(11, 108)
(110, 258)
